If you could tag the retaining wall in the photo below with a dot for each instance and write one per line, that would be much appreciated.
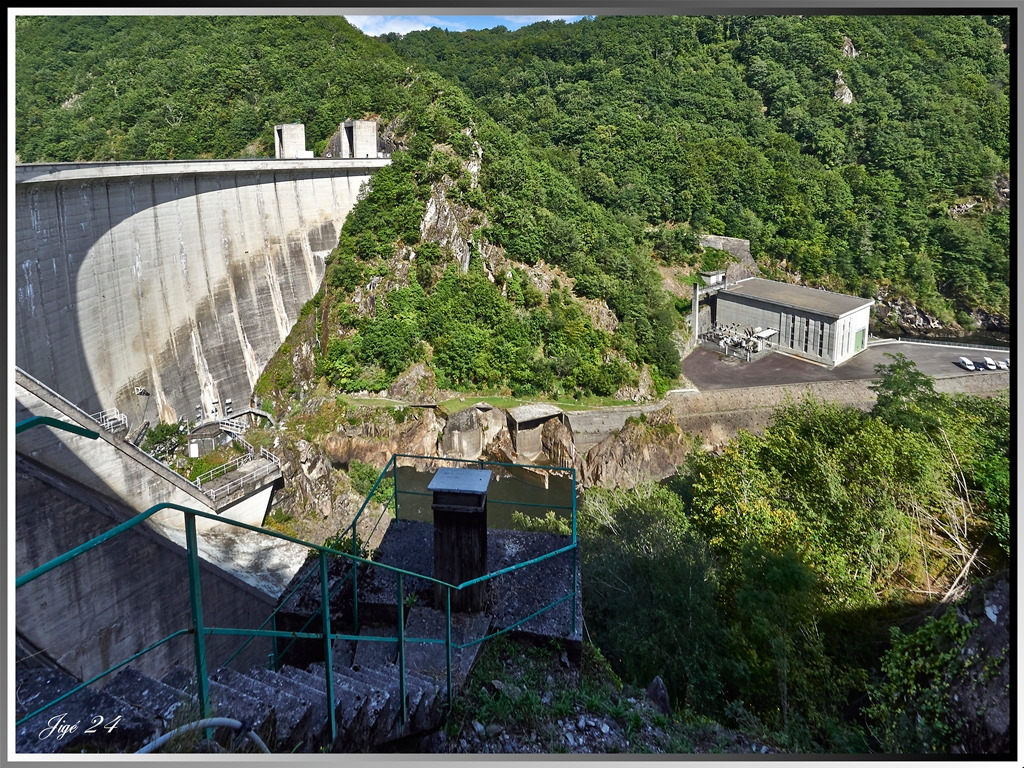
(123, 595)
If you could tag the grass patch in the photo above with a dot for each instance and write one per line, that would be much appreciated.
(502, 401)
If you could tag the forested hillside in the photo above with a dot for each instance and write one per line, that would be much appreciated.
(163, 87)
(602, 148)
(738, 126)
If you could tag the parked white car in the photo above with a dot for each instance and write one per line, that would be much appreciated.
(1002, 365)
(966, 363)
(989, 363)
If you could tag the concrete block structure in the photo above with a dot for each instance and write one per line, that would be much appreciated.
(526, 425)
(817, 325)
(290, 142)
(358, 139)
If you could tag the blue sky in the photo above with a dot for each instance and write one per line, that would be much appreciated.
(378, 25)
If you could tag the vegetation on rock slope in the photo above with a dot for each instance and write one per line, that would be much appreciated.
(731, 125)
(760, 583)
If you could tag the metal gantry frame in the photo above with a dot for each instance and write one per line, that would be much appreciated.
(200, 631)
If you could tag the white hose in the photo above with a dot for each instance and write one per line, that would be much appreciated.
(209, 722)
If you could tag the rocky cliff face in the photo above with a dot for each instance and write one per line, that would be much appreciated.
(375, 441)
(980, 699)
(899, 313)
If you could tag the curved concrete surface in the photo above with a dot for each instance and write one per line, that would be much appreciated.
(179, 279)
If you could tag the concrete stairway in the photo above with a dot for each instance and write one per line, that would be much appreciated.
(286, 708)
(91, 720)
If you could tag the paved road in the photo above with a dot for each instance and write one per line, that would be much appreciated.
(708, 370)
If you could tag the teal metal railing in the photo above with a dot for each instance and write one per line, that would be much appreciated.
(199, 631)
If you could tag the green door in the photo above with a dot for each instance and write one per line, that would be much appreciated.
(858, 343)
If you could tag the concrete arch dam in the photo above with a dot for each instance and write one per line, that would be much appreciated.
(156, 287)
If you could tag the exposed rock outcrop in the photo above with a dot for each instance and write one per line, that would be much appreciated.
(646, 448)
(979, 701)
(899, 311)
(419, 434)
(314, 495)
(446, 223)
(557, 443)
(842, 91)
(416, 385)
(642, 392)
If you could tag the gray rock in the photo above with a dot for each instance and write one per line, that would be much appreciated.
(657, 694)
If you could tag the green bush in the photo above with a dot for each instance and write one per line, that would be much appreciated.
(910, 706)
(363, 476)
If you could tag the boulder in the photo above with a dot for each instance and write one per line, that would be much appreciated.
(657, 694)
(557, 443)
(644, 449)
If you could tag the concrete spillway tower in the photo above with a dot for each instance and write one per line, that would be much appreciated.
(358, 139)
(290, 142)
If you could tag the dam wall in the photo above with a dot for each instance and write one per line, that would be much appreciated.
(122, 596)
(158, 287)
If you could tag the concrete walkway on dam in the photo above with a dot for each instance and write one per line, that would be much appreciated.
(40, 173)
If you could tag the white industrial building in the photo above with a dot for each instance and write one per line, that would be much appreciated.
(817, 325)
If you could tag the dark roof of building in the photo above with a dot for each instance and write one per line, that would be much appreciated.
(797, 296)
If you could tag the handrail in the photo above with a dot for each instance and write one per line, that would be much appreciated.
(56, 395)
(482, 462)
(226, 490)
(499, 501)
(109, 418)
(222, 469)
(67, 426)
(200, 631)
(875, 341)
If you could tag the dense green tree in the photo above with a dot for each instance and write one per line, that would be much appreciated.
(906, 397)
(651, 592)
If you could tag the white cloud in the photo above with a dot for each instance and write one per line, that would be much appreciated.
(379, 25)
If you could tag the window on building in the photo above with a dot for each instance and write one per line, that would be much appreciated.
(821, 339)
(792, 332)
(807, 332)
